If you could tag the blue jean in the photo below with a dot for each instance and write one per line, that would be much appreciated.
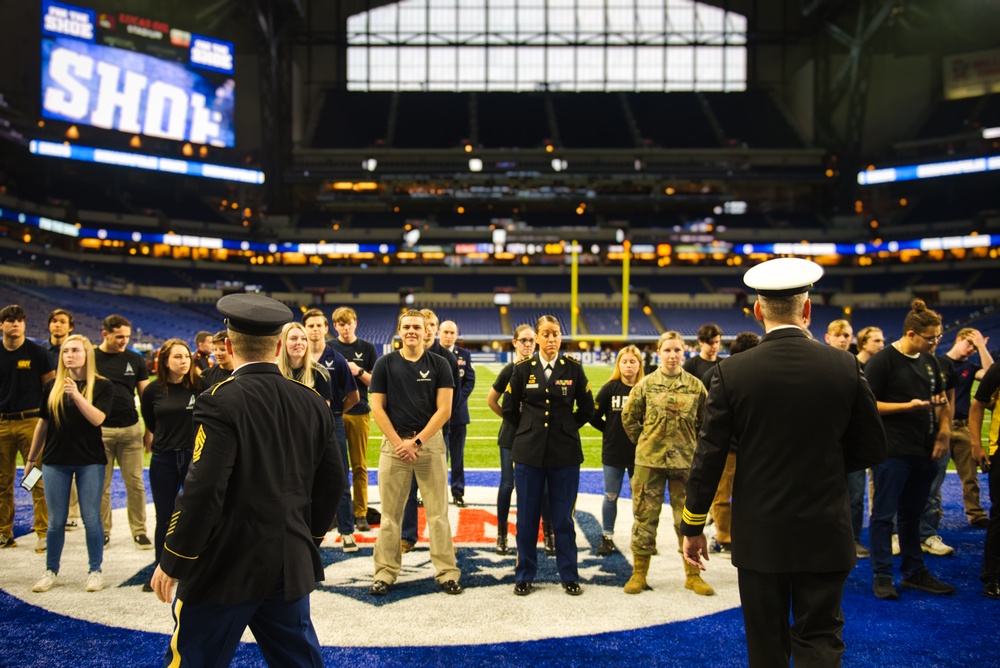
(89, 486)
(901, 488)
(506, 489)
(345, 511)
(563, 484)
(856, 491)
(613, 478)
(167, 471)
(933, 510)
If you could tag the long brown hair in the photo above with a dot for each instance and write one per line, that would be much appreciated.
(190, 381)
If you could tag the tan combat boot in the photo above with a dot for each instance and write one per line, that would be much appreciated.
(637, 582)
(695, 583)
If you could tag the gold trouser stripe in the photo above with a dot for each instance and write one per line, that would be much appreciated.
(175, 657)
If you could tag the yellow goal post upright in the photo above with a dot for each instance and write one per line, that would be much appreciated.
(574, 309)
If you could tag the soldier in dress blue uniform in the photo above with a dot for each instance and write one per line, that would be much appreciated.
(543, 391)
(261, 492)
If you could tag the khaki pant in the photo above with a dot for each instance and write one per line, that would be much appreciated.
(648, 486)
(965, 465)
(356, 427)
(124, 444)
(394, 480)
(15, 437)
(722, 505)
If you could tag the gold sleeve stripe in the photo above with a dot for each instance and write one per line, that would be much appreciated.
(199, 443)
(694, 519)
(179, 555)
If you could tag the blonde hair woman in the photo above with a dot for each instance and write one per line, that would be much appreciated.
(69, 428)
(295, 363)
(617, 451)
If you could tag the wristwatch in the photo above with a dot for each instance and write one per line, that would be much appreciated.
(418, 442)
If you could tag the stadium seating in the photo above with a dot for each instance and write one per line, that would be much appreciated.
(672, 120)
(608, 320)
(576, 114)
(439, 120)
(751, 119)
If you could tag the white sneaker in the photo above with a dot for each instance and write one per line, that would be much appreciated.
(895, 544)
(934, 545)
(41, 544)
(95, 581)
(48, 581)
(348, 542)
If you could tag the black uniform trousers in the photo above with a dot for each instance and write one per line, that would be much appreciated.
(813, 599)
(562, 484)
(991, 553)
(207, 635)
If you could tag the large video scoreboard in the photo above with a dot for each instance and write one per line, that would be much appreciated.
(136, 74)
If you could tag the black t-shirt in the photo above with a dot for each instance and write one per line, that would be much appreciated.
(125, 370)
(410, 388)
(363, 354)
(53, 350)
(169, 416)
(896, 378)
(616, 448)
(215, 374)
(75, 442)
(698, 366)
(506, 436)
(21, 374)
(321, 381)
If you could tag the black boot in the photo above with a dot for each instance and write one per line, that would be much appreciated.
(550, 538)
(502, 544)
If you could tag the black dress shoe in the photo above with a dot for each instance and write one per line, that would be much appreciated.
(450, 587)
(502, 545)
(460, 501)
(550, 544)
(992, 588)
(522, 588)
(147, 587)
(572, 587)
(379, 588)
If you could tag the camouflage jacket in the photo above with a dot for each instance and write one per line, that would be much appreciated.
(662, 417)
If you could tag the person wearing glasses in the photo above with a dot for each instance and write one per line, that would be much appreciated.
(524, 347)
(907, 381)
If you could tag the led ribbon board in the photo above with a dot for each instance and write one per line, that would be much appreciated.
(123, 72)
(142, 161)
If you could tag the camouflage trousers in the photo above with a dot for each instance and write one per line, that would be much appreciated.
(648, 487)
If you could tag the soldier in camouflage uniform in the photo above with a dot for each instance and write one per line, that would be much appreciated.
(662, 417)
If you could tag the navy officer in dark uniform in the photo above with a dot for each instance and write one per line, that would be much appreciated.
(801, 417)
(261, 492)
(543, 390)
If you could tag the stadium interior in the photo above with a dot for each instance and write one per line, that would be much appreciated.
(401, 163)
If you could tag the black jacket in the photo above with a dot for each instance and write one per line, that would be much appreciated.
(263, 486)
(801, 416)
(546, 426)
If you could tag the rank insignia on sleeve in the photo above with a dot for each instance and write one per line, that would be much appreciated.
(199, 444)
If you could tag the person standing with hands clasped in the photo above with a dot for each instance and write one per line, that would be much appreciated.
(75, 404)
(260, 493)
(543, 391)
(411, 398)
(803, 416)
